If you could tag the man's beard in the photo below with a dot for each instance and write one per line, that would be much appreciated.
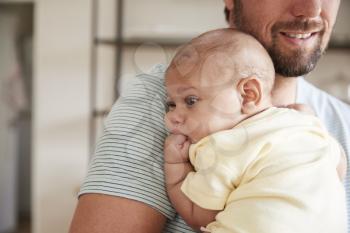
(296, 63)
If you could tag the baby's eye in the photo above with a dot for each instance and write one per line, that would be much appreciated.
(191, 100)
(170, 105)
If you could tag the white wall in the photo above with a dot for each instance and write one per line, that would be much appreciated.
(332, 74)
(172, 20)
(60, 110)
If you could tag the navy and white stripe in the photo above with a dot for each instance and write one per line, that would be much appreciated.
(128, 161)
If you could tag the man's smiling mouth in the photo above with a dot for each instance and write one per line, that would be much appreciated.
(298, 35)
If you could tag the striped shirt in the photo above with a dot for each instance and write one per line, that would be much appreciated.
(128, 161)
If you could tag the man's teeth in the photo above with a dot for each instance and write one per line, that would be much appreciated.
(299, 36)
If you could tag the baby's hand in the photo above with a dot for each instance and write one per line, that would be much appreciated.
(176, 149)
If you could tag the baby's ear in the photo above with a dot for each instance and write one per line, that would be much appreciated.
(250, 91)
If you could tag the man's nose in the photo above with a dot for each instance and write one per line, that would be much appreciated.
(306, 8)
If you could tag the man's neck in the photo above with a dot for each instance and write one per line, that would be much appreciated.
(284, 91)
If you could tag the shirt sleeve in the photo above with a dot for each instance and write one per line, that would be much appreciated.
(128, 161)
(212, 182)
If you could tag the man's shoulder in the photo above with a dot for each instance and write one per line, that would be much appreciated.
(155, 74)
(146, 86)
(322, 102)
(334, 113)
(142, 102)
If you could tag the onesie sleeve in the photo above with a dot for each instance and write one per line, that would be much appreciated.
(212, 182)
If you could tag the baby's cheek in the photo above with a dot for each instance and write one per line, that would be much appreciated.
(167, 122)
(225, 104)
(215, 125)
(196, 126)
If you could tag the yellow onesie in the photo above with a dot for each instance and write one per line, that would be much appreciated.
(273, 173)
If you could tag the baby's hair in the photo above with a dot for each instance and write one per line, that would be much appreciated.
(245, 56)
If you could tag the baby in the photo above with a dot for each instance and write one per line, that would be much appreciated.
(233, 162)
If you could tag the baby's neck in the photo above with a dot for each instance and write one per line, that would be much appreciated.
(266, 104)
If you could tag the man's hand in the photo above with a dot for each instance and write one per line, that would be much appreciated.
(342, 165)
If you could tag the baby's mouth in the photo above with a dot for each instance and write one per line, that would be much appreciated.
(176, 131)
(187, 136)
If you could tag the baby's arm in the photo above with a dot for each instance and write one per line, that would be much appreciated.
(177, 166)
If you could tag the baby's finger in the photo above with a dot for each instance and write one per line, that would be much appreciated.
(176, 139)
(184, 150)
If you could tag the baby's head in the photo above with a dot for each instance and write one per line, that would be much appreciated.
(215, 81)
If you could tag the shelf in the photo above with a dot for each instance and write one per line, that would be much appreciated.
(136, 42)
(180, 41)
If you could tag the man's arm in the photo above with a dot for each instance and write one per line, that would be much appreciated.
(97, 213)
(176, 167)
(127, 164)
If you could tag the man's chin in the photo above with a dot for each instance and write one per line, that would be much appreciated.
(296, 71)
(294, 62)
(296, 65)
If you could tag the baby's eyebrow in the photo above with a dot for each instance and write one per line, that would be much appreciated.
(183, 89)
(178, 92)
(168, 97)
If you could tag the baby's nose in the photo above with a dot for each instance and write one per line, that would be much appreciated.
(173, 120)
(176, 117)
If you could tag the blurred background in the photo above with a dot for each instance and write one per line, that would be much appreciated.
(63, 63)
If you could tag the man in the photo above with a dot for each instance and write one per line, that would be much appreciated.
(124, 190)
